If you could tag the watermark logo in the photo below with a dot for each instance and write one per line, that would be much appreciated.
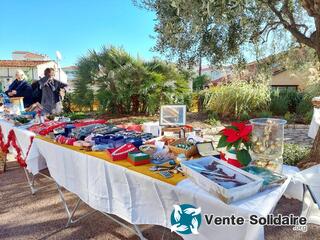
(185, 219)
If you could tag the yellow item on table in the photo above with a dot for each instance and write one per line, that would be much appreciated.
(143, 169)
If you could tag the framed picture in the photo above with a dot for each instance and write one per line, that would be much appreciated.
(173, 115)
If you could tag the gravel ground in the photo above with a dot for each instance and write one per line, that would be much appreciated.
(41, 216)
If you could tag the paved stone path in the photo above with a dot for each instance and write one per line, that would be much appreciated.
(298, 134)
(293, 133)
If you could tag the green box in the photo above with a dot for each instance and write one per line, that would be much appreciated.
(138, 156)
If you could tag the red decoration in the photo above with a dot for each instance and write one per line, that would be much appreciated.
(241, 131)
(236, 138)
(121, 153)
(47, 127)
(131, 127)
(231, 161)
(138, 163)
(12, 140)
(82, 123)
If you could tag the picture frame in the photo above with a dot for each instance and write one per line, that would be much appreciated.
(173, 115)
(206, 149)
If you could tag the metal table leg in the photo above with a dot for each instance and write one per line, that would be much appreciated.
(71, 213)
(136, 230)
(30, 179)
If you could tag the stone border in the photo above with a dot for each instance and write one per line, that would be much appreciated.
(297, 126)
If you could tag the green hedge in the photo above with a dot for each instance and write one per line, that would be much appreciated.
(294, 153)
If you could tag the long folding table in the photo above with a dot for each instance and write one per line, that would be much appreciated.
(138, 198)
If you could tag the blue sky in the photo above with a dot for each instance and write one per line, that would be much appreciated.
(74, 26)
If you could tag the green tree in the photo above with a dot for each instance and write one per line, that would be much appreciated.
(219, 30)
(83, 95)
(123, 84)
(199, 82)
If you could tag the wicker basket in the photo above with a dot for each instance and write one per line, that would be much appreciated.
(176, 150)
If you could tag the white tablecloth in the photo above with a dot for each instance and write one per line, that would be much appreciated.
(140, 199)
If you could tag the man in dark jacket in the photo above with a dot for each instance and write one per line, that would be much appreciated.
(50, 91)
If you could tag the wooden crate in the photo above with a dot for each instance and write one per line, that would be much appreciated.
(3, 158)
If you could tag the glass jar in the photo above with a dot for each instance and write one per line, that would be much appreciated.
(267, 143)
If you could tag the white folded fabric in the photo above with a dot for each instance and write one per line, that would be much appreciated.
(315, 123)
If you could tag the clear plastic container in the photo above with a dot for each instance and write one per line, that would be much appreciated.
(267, 143)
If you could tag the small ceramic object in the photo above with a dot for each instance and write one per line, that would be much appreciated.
(172, 162)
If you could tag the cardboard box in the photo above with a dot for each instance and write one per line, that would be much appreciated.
(121, 153)
(193, 169)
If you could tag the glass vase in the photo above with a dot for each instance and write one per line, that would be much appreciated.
(267, 143)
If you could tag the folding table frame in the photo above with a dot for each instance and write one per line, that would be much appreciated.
(31, 178)
(310, 208)
(71, 211)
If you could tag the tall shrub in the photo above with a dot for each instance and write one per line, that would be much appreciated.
(237, 98)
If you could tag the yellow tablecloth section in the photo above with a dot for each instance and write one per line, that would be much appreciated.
(144, 169)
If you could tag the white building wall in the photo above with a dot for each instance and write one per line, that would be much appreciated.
(7, 75)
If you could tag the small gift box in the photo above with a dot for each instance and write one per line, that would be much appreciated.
(121, 153)
(138, 158)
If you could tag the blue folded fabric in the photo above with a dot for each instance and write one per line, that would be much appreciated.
(137, 142)
(101, 147)
(117, 141)
(102, 139)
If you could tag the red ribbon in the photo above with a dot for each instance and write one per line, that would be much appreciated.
(13, 141)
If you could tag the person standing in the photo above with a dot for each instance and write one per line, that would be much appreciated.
(50, 92)
(20, 88)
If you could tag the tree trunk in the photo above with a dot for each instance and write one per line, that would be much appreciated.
(135, 103)
(314, 157)
(315, 152)
(200, 66)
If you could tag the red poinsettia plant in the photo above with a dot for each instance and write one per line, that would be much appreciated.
(237, 137)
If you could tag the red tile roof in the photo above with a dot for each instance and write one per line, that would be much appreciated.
(20, 63)
(20, 52)
(33, 55)
(70, 68)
